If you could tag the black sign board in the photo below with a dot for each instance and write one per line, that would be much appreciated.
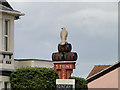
(64, 87)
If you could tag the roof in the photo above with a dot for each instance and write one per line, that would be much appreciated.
(32, 60)
(103, 72)
(6, 8)
(96, 69)
(5, 3)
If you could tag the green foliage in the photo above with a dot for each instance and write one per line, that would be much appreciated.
(80, 83)
(33, 78)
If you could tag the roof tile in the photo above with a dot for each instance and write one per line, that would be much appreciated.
(96, 69)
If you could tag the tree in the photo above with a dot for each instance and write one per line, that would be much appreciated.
(80, 83)
(33, 78)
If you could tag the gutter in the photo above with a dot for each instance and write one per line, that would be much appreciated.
(13, 13)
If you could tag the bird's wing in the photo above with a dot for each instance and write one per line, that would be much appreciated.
(61, 34)
(66, 35)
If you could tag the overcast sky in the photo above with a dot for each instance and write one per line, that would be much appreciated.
(92, 30)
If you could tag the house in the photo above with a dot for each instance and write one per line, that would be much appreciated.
(104, 77)
(7, 17)
(7, 61)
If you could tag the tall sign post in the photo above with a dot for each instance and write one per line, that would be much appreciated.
(64, 63)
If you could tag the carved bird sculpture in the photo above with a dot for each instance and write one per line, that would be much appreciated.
(63, 36)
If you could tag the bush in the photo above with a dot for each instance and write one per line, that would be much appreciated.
(80, 83)
(33, 78)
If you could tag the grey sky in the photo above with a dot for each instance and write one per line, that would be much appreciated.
(92, 31)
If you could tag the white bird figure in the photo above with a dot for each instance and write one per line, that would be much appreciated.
(63, 36)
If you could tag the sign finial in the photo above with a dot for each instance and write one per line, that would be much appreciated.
(63, 36)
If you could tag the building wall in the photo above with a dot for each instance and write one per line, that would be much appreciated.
(109, 80)
(33, 63)
(4, 79)
(47, 64)
(19, 64)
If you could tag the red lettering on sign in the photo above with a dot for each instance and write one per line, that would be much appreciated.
(64, 70)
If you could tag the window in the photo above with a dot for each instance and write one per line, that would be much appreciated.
(6, 85)
(6, 35)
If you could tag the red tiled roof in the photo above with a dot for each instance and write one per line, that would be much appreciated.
(96, 69)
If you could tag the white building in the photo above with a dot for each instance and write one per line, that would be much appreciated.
(7, 17)
(7, 62)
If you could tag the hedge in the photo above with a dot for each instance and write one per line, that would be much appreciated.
(80, 83)
(33, 78)
(40, 78)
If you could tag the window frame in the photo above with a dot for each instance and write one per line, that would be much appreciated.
(6, 34)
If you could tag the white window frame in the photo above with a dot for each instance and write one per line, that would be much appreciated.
(6, 34)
